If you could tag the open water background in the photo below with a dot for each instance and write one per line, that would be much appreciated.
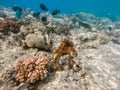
(110, 8)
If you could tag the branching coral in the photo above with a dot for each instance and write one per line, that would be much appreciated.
(31, 69)
(66, 48)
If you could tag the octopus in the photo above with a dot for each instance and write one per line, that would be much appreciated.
(66, 48)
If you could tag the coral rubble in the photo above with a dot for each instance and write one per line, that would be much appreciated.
(31, 69)
(9, 77)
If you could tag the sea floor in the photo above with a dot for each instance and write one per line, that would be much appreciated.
(99, 68)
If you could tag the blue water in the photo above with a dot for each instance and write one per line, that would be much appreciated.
(96, 7)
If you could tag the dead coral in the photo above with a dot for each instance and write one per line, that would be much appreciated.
(92, 39)
(103, 38)
(31, 69)
(9, 77)
(8, 25)
(91, 44)
(32, 27)
(66, 48)
(25, 29)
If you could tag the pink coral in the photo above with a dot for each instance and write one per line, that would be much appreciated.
(31, 69)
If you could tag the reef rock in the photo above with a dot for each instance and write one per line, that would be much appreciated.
(32, 27)
(116, 40)
(7, 25)
(37, 40)
(96, 22)
(25, 29)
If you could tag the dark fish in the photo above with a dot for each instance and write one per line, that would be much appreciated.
(54, 12)
(44, 18)
(16, 8)
(36, 14)
(43, 7)
(110, 28)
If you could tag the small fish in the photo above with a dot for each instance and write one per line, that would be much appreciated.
(44, 18)
(36, 14)
(18, 14)
(43, 7)
(18, 11)
(54, 12)
(110, 28)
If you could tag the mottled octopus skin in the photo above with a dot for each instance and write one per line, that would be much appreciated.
(66, 48)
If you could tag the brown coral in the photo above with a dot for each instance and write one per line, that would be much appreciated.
(66, 48)
(31, 69)
(7, 25)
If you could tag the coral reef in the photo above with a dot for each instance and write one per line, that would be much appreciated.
(6, 13)
(32, 26)
(66, 47)
(58, 26)
(86, 73)
(88, 36)
(117, 25)
(26, 29)
(103, 38)
(3, 14)
(116, 40)
(9, 77)
(115, 33)
(92, 39)
(77, 22)
(88, 40)
(31, 69)
(8, 25)
(59, 29)
(97, 23)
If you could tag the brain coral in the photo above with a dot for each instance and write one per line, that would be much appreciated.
(38, 40)
(31, 69)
